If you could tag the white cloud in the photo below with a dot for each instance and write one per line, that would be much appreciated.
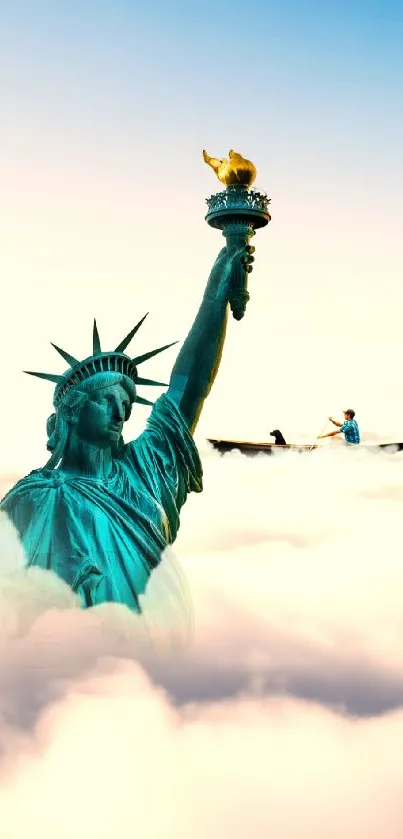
(280, 718)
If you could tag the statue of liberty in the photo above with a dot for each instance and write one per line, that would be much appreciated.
(101, 511)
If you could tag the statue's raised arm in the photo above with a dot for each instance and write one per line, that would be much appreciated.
(198, 361)
(237, 212)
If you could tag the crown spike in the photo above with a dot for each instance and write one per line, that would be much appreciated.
(140, 381)
(142, 401)
(67, 357)
(50, 377)
(96, 344)
(126, 341)
(140, 358)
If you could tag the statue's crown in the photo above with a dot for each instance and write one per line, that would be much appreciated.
(115, 361)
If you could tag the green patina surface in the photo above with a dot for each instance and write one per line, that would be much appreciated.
(101, 511)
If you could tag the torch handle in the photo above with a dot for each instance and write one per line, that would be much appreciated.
(238, 236)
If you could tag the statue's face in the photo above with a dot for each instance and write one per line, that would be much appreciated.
(101, 418)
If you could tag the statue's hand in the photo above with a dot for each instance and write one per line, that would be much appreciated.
(247, 258)
(233, 255)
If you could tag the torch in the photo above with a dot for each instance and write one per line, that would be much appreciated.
(238, 211)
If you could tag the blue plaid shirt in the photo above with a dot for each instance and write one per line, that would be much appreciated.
(351, 431)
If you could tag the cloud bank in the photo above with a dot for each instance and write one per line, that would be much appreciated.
(279, 715)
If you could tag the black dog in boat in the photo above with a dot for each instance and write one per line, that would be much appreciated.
(278, 437)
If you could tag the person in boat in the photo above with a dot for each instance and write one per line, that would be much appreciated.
(349, 428)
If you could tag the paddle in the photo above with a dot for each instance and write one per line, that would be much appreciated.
(320, 433)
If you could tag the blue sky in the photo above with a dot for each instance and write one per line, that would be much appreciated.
(150, 74)
(213, 64)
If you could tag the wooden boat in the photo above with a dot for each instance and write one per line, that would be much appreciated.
(251, 449)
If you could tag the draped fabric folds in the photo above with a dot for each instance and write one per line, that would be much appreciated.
(104, 537)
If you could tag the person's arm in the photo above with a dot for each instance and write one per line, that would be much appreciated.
(198, 361)
(339, 424)
(331, 434)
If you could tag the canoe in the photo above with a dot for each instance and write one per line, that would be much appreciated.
(251, 449)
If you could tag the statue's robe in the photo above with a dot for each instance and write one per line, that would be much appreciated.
(104, 537)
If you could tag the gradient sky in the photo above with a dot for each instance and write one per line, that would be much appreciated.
(294, 678)
(105, 110)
